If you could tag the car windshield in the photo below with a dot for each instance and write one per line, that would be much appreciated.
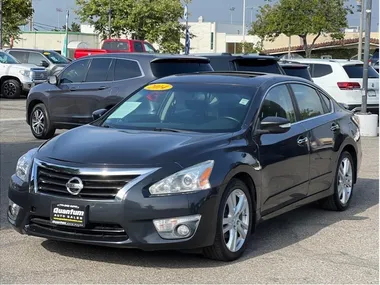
(297, 71)
(194, 107)
(7, 58)
(55, 57)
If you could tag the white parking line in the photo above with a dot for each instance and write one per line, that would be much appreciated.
(12, 119)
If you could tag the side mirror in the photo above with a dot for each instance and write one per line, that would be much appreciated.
(44, 63)
(98, 113)
(53, 80)
(274, 125)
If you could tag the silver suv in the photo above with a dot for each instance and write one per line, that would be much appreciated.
(49, 59)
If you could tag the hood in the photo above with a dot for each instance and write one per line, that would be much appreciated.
(96, 145)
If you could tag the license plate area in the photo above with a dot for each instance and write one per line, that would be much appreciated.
(68, 215)
(371, 93)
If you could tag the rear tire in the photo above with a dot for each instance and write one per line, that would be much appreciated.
(11, 89)
(343, 185)
(40, 124)
(234, 226)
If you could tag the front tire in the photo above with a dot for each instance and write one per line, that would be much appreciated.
(234, 226)
(343, 185)
(11, 89)
(40, 124)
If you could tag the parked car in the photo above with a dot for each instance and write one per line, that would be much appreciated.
(16, 78)
(220, 153)
(96, 82)
(296, 69)
(116, 45)
(49, 59)
(374, 60)
(343, 79)
(253, 63)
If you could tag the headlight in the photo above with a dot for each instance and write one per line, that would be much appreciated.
(24, 164)
(188, 180)
(25, 73)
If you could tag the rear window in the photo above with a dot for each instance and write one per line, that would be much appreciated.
(221, 64)
(297, 71)
(115, 46)
(356, 71)
(376, 54)
(265, 66)
(167, 68)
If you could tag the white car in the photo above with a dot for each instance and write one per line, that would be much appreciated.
(343, 80)
(16, 77)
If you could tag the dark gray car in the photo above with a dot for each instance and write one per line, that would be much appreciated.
(51, 60)
(98, 82)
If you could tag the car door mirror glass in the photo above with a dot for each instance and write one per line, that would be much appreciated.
(53, 80)
(274, 125)
(98, 113)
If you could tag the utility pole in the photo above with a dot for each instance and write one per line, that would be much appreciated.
(66, 41)
(244, 10)
(1, 24)
(361, 8)
(232, 9)
(366, 55)
(109, 19)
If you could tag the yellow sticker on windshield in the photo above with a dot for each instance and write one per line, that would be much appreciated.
(158, 87)
(46, 53)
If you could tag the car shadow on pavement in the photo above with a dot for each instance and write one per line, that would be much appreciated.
(272, 235)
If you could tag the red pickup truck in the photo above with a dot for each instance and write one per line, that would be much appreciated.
(116, 45)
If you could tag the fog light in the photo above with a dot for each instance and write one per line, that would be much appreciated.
(13, 209)
(176, 228)
(183, 230)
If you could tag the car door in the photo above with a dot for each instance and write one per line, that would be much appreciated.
(321, 123)
(63, 107)
(284, 158)
(90, 94)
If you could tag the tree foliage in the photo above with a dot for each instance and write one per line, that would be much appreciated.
(75, 27)
(302, 18)
(15, 14)
(156, 21)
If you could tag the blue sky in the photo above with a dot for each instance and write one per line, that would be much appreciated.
(211, 10)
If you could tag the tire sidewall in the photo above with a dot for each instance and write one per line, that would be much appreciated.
(47, 126)
(18, 89)
(338, 203)
(233, 185)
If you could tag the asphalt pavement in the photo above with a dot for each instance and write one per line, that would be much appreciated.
(308, 245)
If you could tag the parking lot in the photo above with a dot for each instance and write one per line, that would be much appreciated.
(307, 245)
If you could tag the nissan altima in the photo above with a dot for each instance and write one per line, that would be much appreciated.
(192, 161)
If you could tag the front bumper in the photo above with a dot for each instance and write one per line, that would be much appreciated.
(26, 86)
(124, 223)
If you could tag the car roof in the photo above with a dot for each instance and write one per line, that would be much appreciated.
(146, 56)
(229, 78)
(328, 61)
(237, 56)
(29, 49)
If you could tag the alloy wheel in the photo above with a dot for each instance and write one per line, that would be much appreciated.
(9, 89)
(38, 121)
(345, 181)
(236, 220)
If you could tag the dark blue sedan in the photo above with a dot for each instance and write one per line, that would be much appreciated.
(190, 161)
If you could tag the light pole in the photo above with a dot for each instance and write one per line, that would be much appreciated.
(59, 10)
(109, 19)
(1, 24)
(251, 8)
(244, 10)
(366, 55)
(232, 9)
(361, 8)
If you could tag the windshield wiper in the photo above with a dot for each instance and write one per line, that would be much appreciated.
(166, 130)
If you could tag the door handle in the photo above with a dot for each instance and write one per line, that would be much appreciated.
(334, 127)
(73, 88)
(302, 140)
(102, 87)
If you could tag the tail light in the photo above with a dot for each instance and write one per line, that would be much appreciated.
(348, 85)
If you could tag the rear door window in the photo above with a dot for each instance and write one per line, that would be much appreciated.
(35, 58)
(21, 56)
(257, 65)
(297, 71)
(356, 71)
(319, 70)
(116, 45)
(98, 70)
(126, 69)
(138, 47)
(166, 68)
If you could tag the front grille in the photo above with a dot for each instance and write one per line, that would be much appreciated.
(94, 186)
(39, 75)
(92, 231)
